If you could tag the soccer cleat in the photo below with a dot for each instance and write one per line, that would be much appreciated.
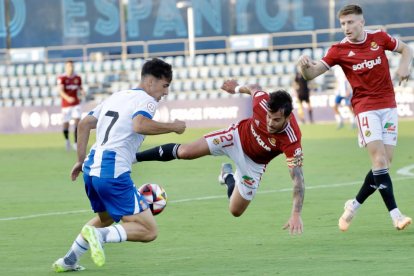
(402, 222)
(347, 216)
(93, 237)
(61, 266)
(226, 169)
(68, 146)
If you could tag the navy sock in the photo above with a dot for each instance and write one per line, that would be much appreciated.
(164, 152)
(383, 182)
(230, 184)
(66, 133)
(367, 189)
(76, 134)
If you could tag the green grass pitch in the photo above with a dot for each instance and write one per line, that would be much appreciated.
(42, 211)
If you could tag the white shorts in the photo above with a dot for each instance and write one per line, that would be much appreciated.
(377, 125)
(71, 112)
(248, 173)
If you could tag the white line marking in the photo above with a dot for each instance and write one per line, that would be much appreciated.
(203, 198)
(406, 171)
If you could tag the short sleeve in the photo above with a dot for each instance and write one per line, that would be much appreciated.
(146, 107)
(390, 43)
(294, 155)
(96, 111)
(329, 59)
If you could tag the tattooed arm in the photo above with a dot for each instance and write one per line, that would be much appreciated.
(295, 223)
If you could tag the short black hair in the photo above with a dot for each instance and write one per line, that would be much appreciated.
(157, 68)
(280, 100)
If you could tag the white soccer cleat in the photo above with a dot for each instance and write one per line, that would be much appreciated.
(61, 266)
(347, 216)
(93, 237)
(226, 169)
(402, 222)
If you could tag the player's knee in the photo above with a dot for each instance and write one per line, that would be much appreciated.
(235, 211)
(151, 235)
(184, 152)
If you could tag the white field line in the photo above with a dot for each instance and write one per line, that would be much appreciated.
(396, 179)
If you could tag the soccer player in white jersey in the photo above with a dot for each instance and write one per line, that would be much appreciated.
(121, 123)
(251, 144)
(361, 55)
(343, 93)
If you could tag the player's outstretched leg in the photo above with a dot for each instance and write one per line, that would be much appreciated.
(226, 178)
(95, 242)
(61, 266)
(350, 209)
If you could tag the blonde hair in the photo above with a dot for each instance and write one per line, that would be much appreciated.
(350, 9)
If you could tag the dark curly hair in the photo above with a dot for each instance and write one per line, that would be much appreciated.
(280, 101)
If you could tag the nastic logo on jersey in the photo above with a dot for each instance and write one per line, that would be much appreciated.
(374, 46)
(216, 141)
(272, 141)
(366, 64)
(367, 133)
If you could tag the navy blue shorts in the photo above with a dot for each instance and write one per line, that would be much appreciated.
(117, 196)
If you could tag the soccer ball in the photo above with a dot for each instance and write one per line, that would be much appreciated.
(155, 196)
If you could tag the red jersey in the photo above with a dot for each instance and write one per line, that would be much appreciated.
(262, 146)
(71, 86)
(366, 68)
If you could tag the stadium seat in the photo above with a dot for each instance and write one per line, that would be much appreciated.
(32, 81)
(13, 81)
(263, 81)
(15, 93)
(225, 71)
(11, 70)
(230, 59)
(100, 78)
(129, 64)
(198, 85)
(6, 93)
(37, 102)
(246, 70)
(182, 73)
(25, 92)
(49, 68)
(318, 53)
(188, 85)
(257, 70)
(241, 58)
(56, 101)
(20, 70)
(169, 59)
(217, 84)
(273, 82)
(48, 101)
(193, 72)
(252, 58)
(8, 102)
(274, 56)
(307, 52)
(178, 61)
(290, 68)
(263, 57)
(209, 84)
(209, 60)
(88, 66)
(42, 80)
(107, 66)
(35, 92)
(220, 59)
(29, 69)
(132, 76)
(18, 102)
(204, 72)
(44, 91)
(117, 65)
(278, 68)
(138, 62)
(235, 71)
(3, 70)
(4, 81)
(54, 91)
(59, 68)
(189, 61)
(176, 86)
(199, 60)
(295, 54)
(285, 82)
(39, 69)
(52, 80)
(215, 71)
(268, 69)
(285, 55)
(23, 81)
(27, 102)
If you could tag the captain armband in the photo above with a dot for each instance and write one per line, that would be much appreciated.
(296, 160)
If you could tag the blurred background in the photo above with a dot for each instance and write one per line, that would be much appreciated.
(206, 41)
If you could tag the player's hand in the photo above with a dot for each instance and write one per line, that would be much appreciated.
(71, 100)
(179, 126)
(229, 86)
(295, 225)
(305, 61)
(402, 75)
(77, 168)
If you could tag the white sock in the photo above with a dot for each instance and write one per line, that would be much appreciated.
(114, 233)
(78, 248)
(356, 204)
(338, 118)
(395, 213)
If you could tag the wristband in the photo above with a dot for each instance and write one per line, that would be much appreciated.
(237, 89)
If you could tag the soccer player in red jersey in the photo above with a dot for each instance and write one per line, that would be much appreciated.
(70, 85)
(251, 144)
(361, 55)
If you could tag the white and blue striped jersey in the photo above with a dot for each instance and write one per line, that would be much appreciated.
(116, 142)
